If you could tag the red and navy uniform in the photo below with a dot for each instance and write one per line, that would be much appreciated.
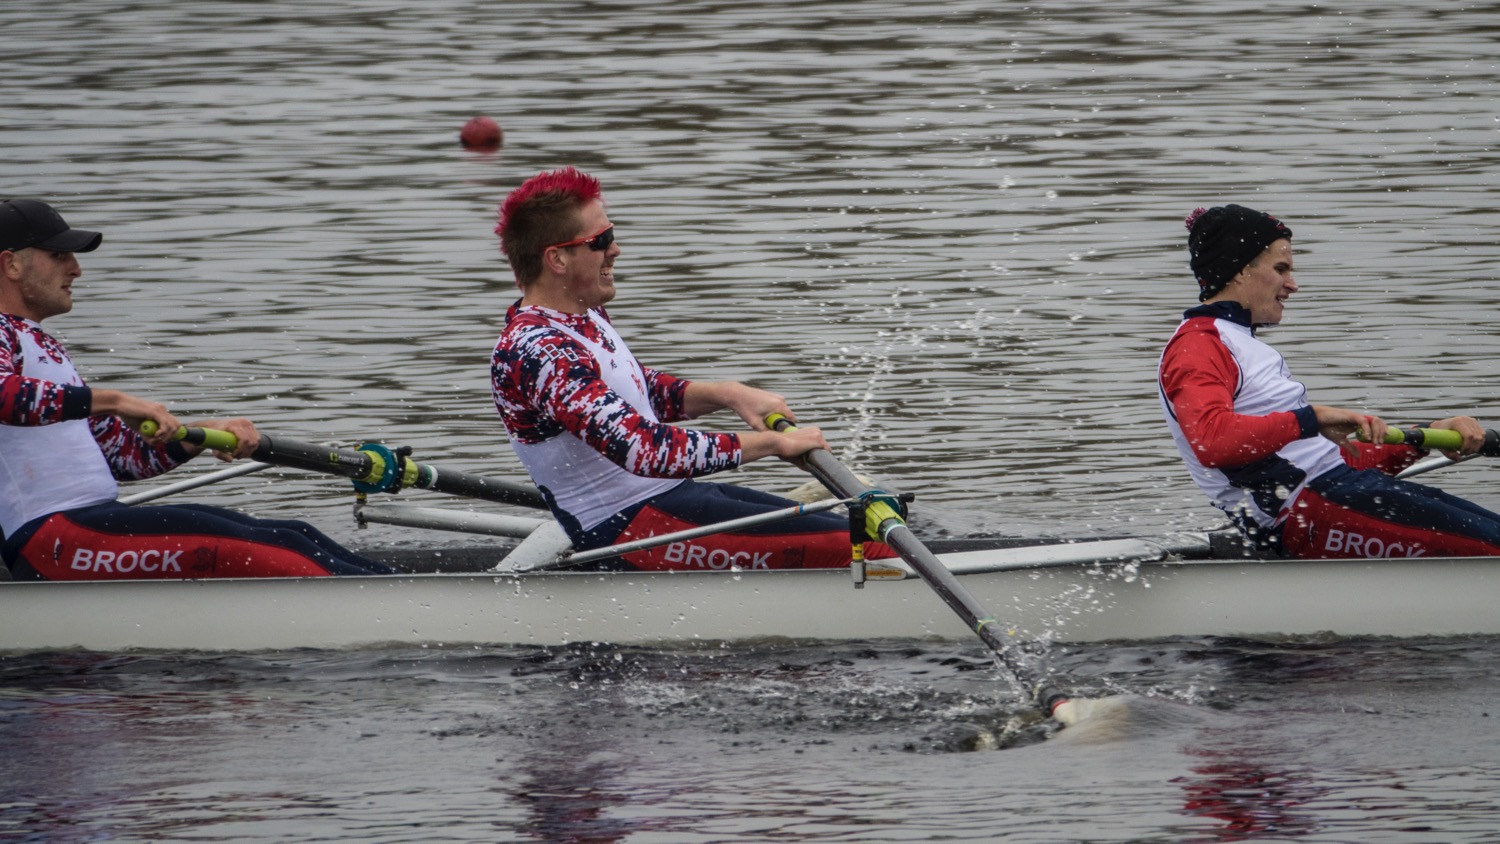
(59, 469)
(1251, 441)
(591, 425)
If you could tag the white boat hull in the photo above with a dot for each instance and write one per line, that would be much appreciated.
(1062, 603)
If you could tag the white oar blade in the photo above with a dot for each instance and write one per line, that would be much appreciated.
(1097, 711)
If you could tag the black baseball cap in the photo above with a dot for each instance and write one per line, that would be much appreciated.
(31, 222)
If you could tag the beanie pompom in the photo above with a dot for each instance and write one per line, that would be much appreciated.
(1192, 218)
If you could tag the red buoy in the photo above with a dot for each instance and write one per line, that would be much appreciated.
(481, 133)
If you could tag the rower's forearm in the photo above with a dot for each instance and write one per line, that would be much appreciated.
(106, 401)
(755, 445)
(704, 397)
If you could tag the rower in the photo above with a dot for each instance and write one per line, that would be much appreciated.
(591, 423)
(63, 444)
(1285, 470)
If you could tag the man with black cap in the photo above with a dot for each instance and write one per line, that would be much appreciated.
(63, 444)
(1285, 470)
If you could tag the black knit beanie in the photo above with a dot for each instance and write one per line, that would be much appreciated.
(1223, 239)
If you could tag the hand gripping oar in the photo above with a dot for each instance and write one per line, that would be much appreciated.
(883, 523)
(372, 467)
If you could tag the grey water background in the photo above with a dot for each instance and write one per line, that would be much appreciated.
(948, 233)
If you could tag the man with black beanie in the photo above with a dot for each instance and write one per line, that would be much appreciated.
(1285, 470)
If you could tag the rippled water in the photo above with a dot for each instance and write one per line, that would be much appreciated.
(950, 234)
(1354, 741)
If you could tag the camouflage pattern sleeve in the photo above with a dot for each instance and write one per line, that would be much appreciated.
(546, 382)
(132, 457)
(667, 393)
(32, 401)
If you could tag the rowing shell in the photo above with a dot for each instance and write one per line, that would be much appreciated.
(1050, 600)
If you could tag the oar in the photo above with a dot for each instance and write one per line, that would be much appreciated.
(884, 522)
(1442, 439)
(372, 467)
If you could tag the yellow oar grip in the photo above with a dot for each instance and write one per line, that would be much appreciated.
(206, 437)
(1438, 438)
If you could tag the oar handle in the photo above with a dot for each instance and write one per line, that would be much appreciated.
(1441, 439)
(372, 467)
(890, 527)
(206, 437)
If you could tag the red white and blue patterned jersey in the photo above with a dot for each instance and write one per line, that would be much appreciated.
(53, 455)
(1243, 426)
(588, 421)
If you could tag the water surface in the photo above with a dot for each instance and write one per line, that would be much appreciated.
(950, 234)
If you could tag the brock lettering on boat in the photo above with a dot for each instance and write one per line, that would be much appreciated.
(697, 556)
(124, 562)
(1358, 545)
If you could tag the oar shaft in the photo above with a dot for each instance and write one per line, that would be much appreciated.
(370, 465)
(1441, 439)
(892, 530)
(344, 462)
(480, 487)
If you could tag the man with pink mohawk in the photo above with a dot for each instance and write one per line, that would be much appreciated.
(591, 423)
